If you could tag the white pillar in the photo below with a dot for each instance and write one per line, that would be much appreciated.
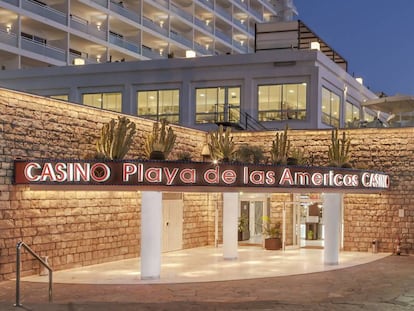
(332, 203)
(230, 220)
(151, 232)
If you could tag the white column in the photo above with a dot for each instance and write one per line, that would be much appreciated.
(151, 232)
(332, 220)
(230, 220)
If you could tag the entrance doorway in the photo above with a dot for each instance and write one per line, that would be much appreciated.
(172, 214)
(251, 212)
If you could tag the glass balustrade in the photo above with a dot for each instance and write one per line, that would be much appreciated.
(45, 11)
(43, 49)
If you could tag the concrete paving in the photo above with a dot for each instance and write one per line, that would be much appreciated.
(384, 284)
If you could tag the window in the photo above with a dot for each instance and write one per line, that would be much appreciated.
(108, 101)
(218, 104)
(330, 108)
(159, 104)
(281, 102)
(60, 97)
(352, 115)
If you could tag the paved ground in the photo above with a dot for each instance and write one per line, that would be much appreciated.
(386, 284)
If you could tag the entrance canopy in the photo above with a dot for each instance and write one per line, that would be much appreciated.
(195, 176)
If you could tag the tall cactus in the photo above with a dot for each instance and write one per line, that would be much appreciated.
(280, 148)
(338, 153)
(160, 142)
(221, 144)
(116, 138)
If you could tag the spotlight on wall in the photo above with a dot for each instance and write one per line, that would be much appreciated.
(315, 45)
(78, 61)
(8, 28)
(360, 80)
(190, 54)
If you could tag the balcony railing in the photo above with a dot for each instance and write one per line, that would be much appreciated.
(12, 2)
(103, 3)
(181, 13)
(124, 43)
(177, 37)
(208, 3)
(223, 36)
(223, 13)
(8, 38)
(84, 26)
(118, 8)
(148, 52)
(43, 49)
(45, 11)
(202, 24)
(163, 3)
(151, 25)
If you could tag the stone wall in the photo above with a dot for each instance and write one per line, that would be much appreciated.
(73, 228)
(366, 216)
(86, 227)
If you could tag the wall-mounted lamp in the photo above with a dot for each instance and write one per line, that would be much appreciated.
(98, 58)
(207, 22)
(161, 51)
(98, 25)
(241, 42)
(190, 54)
(161, 24)
(360, 80)
(8, 28)
(78, 61)
(315, 45)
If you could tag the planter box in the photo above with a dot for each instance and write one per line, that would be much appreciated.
(273, 243)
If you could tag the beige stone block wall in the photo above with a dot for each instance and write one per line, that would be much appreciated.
(73, 228)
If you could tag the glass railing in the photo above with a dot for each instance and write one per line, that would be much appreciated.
(223, 13)
(84, 26)
(45, 11)
(241, 3)
(208, 3)
(103, 3)
(256, 14)
(124, 43)
(179, 38)
(241, 47)
(118, 8)
(163, 3)
(43, 49)
(181, 13)
(151, 25)
(240, 24)
(8, 38)
(223, 36)
(13, 2)
(202, 49)
(202, 24)
(147, 52)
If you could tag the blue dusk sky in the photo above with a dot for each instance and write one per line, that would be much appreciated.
(376, 37)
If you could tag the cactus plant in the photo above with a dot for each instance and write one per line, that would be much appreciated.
(221, 144)
(160, 142)
(116, 138)
(338, 153)
(280, 148)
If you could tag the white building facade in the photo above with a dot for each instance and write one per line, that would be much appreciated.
(40, 33)
(265, 90)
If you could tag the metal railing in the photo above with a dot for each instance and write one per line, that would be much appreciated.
(18, 267)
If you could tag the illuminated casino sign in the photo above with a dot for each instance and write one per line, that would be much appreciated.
(169, 174)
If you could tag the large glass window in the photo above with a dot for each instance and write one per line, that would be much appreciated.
(159, 104)
(218, 104)
(352, 115)
(108, 101)
(282, 102)
(330, 108)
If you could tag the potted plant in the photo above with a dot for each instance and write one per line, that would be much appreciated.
(243, 228)
(221, 145)
(273, 234)
(338, 153)
(160, 141)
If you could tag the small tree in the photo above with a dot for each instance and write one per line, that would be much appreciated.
(338, 153)
(280, 148)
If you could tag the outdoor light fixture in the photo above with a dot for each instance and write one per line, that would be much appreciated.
(98, 58)
(78, 61)
(8, 28)
(98, 25)
(360, 80)
(161, 24)
(315, 45)
(207, 22)
(190, 54)
(161, 51)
